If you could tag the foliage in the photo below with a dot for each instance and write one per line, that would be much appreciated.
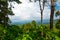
(15, 1)
(5, 11)
(28, 32)
(58, 24)
(57, 13)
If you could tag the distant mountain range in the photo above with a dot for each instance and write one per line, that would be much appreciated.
(27, 21)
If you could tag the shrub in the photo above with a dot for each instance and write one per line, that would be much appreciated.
(58, 24)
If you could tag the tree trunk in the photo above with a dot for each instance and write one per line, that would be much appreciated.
(41, 11)
(41, 17)
(52, 14)
(4, 21)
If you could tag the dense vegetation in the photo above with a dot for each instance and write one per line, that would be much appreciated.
(30, 31)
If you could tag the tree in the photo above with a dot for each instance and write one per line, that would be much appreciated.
(52, 14)
(5, 11)
(3, 8)
(41, 7)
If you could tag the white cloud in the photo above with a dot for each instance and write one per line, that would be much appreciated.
(28, 11)
(46, 13)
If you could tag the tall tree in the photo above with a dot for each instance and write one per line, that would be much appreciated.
(5, 11)
(52, 14)
(41, 7)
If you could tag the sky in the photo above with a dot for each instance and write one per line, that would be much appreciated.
(30, 11)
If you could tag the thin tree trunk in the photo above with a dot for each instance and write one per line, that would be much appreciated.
(4, 21)
(52, 14)
(41, 11)
(41, 17)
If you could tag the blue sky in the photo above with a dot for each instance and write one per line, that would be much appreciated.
(57, 6)
(30, 11)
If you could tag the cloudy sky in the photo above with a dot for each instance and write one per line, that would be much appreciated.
(30, 11)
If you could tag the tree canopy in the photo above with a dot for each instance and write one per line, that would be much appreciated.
(5, 11)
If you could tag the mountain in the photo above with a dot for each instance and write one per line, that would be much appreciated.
(44, 21)
(27, 21)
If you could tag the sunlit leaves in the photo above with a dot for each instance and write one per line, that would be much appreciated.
(15, 32)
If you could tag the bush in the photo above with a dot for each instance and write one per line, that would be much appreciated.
(58, 24)
(29, 31)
